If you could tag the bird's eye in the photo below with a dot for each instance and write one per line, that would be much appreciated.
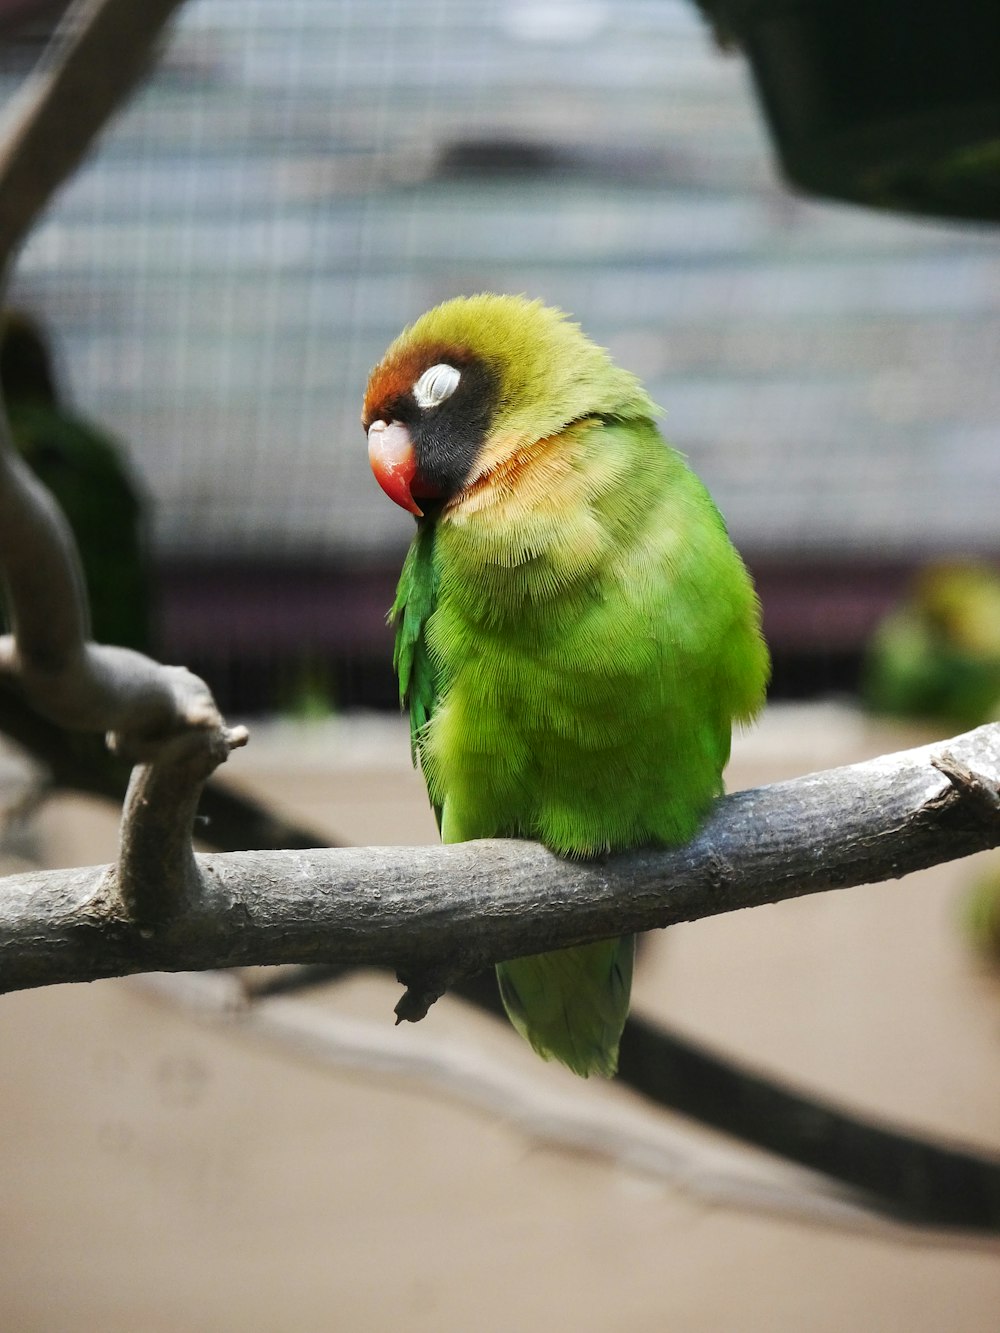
(435, 385)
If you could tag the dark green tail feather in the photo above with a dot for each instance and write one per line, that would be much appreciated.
(577, 1000)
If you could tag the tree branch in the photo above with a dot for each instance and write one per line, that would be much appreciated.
(161, 717)
(433, 911)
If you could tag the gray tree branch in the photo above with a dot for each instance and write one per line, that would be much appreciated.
(439, 913)
(100, 52)
(163, 718)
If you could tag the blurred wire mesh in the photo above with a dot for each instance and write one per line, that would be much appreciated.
(302, 177)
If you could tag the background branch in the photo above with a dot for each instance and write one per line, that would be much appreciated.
(99, 53)
(654, 1149)
(891, 1172)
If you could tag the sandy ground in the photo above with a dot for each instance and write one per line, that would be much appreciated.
(163, 1171)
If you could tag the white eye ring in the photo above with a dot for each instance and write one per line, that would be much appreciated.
(436, 384)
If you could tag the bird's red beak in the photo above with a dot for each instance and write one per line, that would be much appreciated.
(394, 462)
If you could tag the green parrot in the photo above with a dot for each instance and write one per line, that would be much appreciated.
(575, 632)
(88, 475)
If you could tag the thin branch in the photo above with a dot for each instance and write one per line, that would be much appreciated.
(713, 1176)
(454, 910)
(163, 717)
(902, 1174)
(897, 1173)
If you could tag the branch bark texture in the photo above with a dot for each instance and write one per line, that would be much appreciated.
(445, 912)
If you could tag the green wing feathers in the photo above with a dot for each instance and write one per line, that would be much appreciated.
(596, 658)
(415, 597)
(571, 1005)
(89, 477)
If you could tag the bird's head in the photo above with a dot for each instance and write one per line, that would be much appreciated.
(26, 373)
(474, 382)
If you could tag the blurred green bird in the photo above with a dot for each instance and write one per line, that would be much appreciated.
(89, 476)
(937, 655)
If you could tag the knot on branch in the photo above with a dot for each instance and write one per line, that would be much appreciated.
(719, 872)
(424, 987)
(174, 712)
(978, 794)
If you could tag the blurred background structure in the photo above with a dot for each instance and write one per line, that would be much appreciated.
(299, 180)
